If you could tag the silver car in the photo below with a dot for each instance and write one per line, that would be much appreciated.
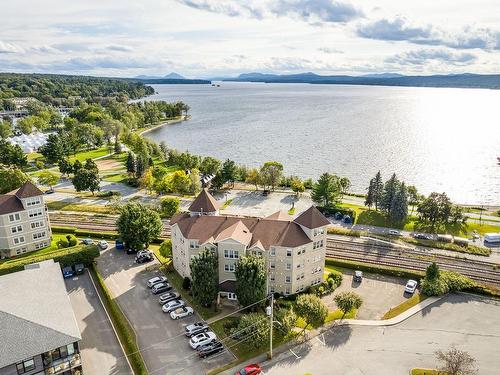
(181, 312)
(167, 297)
(172, 305)
(156, 280)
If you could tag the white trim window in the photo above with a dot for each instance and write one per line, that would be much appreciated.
(35, 212)
(272, 251)
(231, 254)
(318, 244)
(19, 240)
(38, 235)
(21, 250)
(288, 279)
(194, 245)
(37, 224)
(33, 201)
(232, 296)
(14, 217)
(230, 267)
(289, 266)
(272, 265)
(16, 229)
(288, 252)
(271, 277)
(40, 245)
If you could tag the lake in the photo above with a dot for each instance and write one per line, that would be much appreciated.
(437, 139)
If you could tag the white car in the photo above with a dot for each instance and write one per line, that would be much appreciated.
(87, 241)
(394, 232)
(181, 312)
(173, 305)
(411, 286)
(156, 280)
(202, 339)
(103, 244)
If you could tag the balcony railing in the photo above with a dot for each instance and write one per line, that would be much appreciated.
(63, 364)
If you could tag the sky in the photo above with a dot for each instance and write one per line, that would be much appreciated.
(211, 38)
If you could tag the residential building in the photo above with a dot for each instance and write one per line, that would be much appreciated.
(294, 250)
(24, 221)
(39, 333)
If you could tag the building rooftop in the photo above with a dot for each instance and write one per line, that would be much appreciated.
(11, 202)
(204, 202)
(28, 190)
(35, 313)
(312, 218)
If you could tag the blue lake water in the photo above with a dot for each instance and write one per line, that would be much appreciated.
(437, 139)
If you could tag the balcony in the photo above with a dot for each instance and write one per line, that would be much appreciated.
(64, 364)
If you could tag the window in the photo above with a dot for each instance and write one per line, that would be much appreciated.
(288, 279)
(18, 240)
(21, 250)
(33, 201)
(37, 224)
(298, 277)
(271, 289)
(288, 252)
(25, 366)
(229, 267)
(14, 217)
(289, 266)
(16, 229)
(271, 278)
(272, 265)
(38, 235)
(272, 252)
(231, 254)
(40, 245)
(287, 290)
(194, 244)
(35, 213)
(318, 231)
(318, 244)
(232, 296)
(302, 250)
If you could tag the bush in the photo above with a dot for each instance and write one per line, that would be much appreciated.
(331, 211)
(336, 276)
(56, 229)
(186, 283)
(101, 235)
(169, 207)
(63, 243)
(108, 194)
(166, 249)
(71, 240)
(390, 271)
(344, 231)
(447, 281)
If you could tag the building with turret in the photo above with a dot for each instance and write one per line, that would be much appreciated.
(293, 249)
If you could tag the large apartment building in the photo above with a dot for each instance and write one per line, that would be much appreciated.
(294, 250)
(24, 221)
(39, 334)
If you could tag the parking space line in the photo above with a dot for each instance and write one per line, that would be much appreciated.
(322, 340)
(296, 356)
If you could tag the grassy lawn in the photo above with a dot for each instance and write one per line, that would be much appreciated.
(423, 371)
(409, 303)
(118, 177)
(226, 204)
(46, 250)
(90, 154)
(67, 206)
(291, 211)
(33, 156)
(332, 315)
(156, 250)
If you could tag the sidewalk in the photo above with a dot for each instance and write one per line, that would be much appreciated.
(353, 322)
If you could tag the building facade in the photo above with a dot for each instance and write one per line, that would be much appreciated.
(39, 333)
(24, 221)
(293, 250)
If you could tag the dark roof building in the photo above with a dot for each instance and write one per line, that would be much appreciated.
(204, 204)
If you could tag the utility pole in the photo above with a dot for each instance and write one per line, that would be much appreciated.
(270, 312)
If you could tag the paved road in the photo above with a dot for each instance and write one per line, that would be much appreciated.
(164, 347)
(100, 349)
(469, 322)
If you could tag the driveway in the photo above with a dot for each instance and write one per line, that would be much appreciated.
(100, 349)
(164, 347)
(379, 293)
(468, 322)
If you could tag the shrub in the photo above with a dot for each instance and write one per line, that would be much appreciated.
(336, 276)
(166, 249)
(447, 281)
(71, 240)
(63, 243)
(344, 231)
(330, 211)
(102, 235)
(56, 229)
(186, 283)
(391, 271)
(169, 207)
(39, 164)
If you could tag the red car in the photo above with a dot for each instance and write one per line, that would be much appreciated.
(253, 369)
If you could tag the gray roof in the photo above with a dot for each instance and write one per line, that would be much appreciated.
(35, 313)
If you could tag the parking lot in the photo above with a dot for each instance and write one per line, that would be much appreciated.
(379, 293)
(164, 347)
(100, 349)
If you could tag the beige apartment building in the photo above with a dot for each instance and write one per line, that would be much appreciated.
(24, 221)
(294, 250)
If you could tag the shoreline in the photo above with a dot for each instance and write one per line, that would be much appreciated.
(167, 122)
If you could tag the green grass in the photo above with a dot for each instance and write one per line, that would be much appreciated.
(67, 206)
(226, 204)
(423, 371)
(156, 250)
(118, 177)
(33, 156)
(345, 232)
(337, 314)
(291, 211)
(402, 307)
(176, 280)
(46, 250)
(90, 154)
(125, 331)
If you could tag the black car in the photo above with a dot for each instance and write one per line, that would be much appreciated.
(79, 268)
(144, 258)
(161, 287)
(209, 349)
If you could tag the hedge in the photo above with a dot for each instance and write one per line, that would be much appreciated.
(390, 271)
(62, 230)
(84, 233)
(66, 257)
(329, 211)
(125, 331)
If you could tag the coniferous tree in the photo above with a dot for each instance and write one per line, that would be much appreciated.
(390, 189)
(131, 163)
(378, 189)
(399, 205)
(370, 195)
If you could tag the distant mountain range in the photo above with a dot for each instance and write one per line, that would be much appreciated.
(171, 78)
(466, 80)
(172, 75)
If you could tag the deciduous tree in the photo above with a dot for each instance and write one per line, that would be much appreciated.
(456, 362)
(253, 177)
(271, 173)
(251, 280)
(11, 178)
(12, 155)
(48, 178)
(205, 277)
(253, 330)
(312, 309)
(138, 225)
(169, 206)
(346, 301)
(87, 177)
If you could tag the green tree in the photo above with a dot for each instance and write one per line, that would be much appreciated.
(399, 205)
(11, 178)
(229, 171)
(251, 280)
(378, 190)
(178, 182)
(413, 197)
(297, 186)
(5, 129)
(131, 163)
(194, 181)
(12, 155)
(312, 309)
(370, 195)
(345, 185)
(253, 328)
(271, 173)
(48, 178)
(432, 271)
(54, 150)
(27, 124)
(169, 206)
(166, 249)
(326, 192)
(390, 189)
(138, 225)
(253, 177)
(347, 301)
(65, 167)
(287, 320)
(436, 209)
(205, 277)
(147, 180)
(210, 165)
(87, 177)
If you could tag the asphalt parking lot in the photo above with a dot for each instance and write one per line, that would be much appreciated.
(379, 293)
(164, 347)
(100, 349)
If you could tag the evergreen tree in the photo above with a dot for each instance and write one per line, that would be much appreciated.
(131, 163)
(390, 189)
(378, 189)
(251, 280)
(205, 277)
(326, 192)
(229, 171)
(118, 147)
(370, 195)
(399, 205)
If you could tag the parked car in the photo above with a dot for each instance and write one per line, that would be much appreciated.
(156, 280)
(394, 232)
(347, 219)
(266, 192)
(209, 349)
(422, 236)
(358, 276)
(194, 329)
(411, 286)
(79, 268)
(167, 297)
(131, 250)
(181, 312)
(338, 216)
(87, 241)
(253, 369)
(119, 245)
(160, 287)
(202, 339)
(50, 191)
(143, 257)
(67, 272)
(172, 305)
(103, 244)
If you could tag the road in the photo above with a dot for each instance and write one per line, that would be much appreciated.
(100, 349)
(468, 322)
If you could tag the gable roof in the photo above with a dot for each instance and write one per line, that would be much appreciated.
(237, 231)
(279, 215)
(11, 202)
(35, 313)
(27, 190)
(204, 202)
(312, 218)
